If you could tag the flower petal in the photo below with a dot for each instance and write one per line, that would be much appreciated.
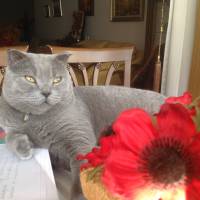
(134, 129)
(148, 193)
(174, 194)
(98, 154)
(2, 135)
(185, 99)
(193, 190)
(121, 175)
(194, 153)
(174, 121)
(106, 144)
(153, 193)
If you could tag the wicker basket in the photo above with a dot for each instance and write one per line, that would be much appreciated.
(93, 189)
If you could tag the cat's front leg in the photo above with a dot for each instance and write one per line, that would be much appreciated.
(20, 145)
(76, 191)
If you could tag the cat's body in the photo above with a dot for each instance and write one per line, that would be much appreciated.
(64, 119)
(54, 127)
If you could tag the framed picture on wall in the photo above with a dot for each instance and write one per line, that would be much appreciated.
(57, 8)
(129, 10)
(87, 6)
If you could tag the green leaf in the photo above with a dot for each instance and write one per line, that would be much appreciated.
(196, 118)
(94, 172)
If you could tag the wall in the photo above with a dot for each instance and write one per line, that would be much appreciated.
(12, 11)
(100, 27)
(54, 27)
(97, 27)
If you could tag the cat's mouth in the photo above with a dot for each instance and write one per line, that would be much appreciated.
(46, 101)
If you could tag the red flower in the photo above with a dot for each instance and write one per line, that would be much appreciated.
(98, 154)
(2, 135)
(185, 99)
(154, 162)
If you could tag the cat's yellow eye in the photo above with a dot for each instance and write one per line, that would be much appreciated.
(30, 79)
(57, 80)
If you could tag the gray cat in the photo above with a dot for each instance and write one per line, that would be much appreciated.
(39, 107)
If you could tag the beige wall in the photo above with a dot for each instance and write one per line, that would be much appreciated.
(100, 27)
(97, 27)
(53, 27)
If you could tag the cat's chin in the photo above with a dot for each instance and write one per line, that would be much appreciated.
(41, 109)
(32, 108)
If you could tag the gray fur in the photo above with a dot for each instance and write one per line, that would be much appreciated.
(70, 119)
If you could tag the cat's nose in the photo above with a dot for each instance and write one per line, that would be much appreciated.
(46, 94)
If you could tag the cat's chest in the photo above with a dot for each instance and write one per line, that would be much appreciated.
(43, 130)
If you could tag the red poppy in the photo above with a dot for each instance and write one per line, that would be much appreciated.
(2, 135)
(98, 154)
(185, 99)
(154, 162)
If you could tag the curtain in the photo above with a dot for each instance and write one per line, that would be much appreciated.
(167, 48)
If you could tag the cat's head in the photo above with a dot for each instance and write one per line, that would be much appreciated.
(34, 83)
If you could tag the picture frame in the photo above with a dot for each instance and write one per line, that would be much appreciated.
(132, 10)
(87, 6)
(57, 8)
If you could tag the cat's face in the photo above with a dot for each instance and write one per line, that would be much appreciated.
(34, 83)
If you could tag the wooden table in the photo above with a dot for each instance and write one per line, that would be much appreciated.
(137, 58)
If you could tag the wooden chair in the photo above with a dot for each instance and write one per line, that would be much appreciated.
(83, 56)
(3, 58)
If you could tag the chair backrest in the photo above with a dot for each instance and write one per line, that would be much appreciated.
(3, 58)
(83, 56)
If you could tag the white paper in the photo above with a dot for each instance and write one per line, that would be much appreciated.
(26, 180)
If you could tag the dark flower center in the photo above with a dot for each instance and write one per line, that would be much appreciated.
(165, 161)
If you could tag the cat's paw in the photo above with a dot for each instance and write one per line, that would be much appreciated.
(23, 148)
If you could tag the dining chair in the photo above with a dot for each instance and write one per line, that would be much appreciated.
(83, 56)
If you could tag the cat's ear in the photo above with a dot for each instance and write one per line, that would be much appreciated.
(15, 56)
(62, 57)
